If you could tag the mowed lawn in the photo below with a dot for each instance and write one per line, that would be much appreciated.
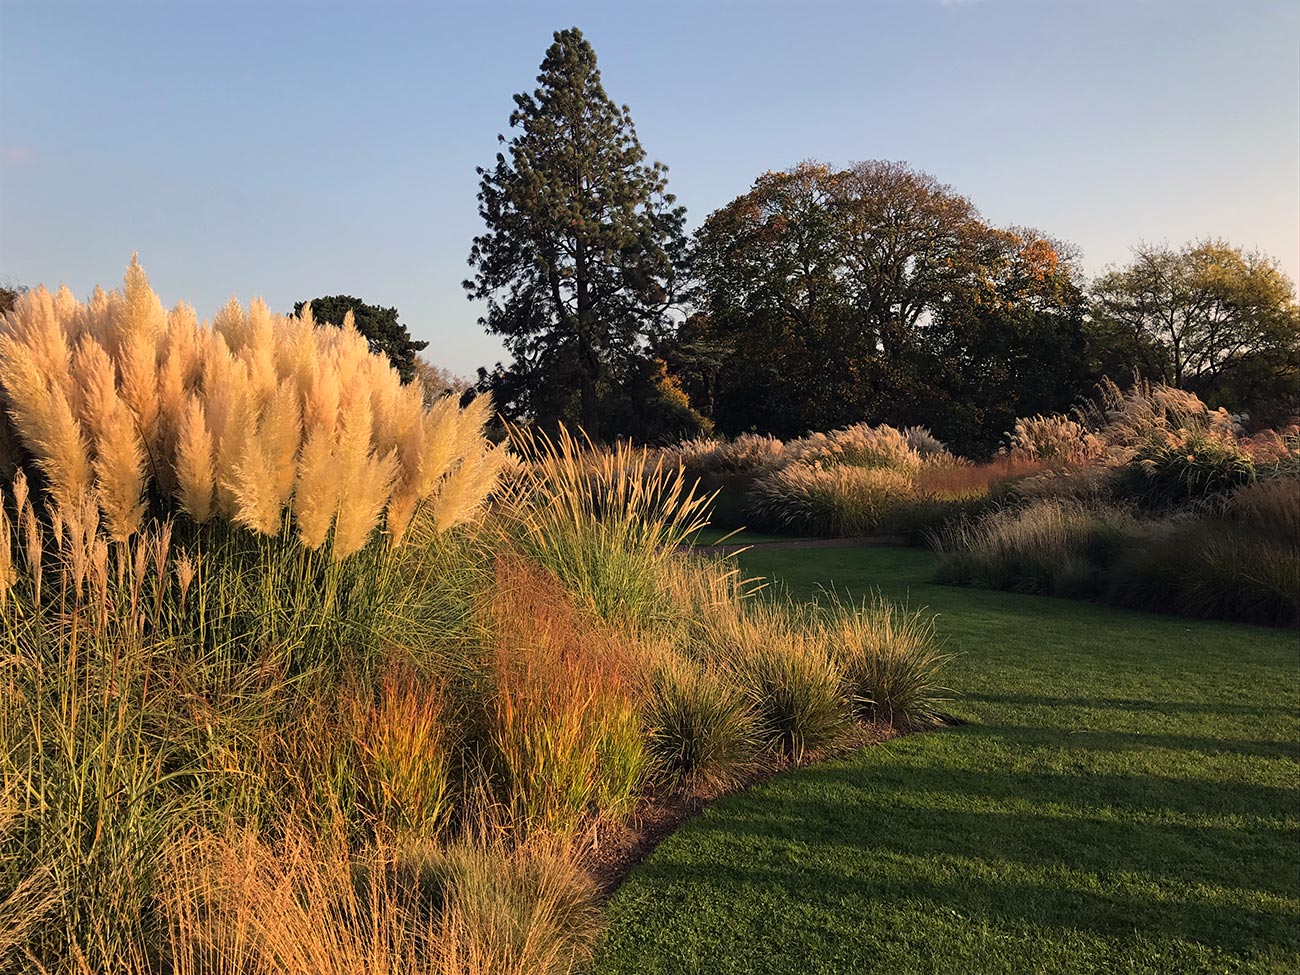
(1123, 798)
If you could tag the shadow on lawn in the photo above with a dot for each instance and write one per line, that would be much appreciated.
(1097, 857)
(1118, 741)
(1131, 704)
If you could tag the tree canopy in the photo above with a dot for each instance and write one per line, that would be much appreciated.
(578, 261)
(1207, 316)
(875, 292)
(379, 325)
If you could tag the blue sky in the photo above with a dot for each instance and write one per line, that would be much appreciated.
(297, 148)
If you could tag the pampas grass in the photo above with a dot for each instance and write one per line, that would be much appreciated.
(247, 417)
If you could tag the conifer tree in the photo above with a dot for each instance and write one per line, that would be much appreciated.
(578, 260)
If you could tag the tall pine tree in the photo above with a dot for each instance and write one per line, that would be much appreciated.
(578, 261)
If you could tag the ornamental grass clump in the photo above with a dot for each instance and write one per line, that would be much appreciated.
(605, 523)
(794, 689)
(240, 904)
(840, 500)
(700, 732)
(1054, 547)
(888, 659)
(859, 445)
(245, 419)
(561, 720)
(1054, 440)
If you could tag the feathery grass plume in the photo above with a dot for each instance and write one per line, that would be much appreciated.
(281, 433)
(233, 418)
(362, 504)
(316, 492)
(859, 445)
(464, 491)
(1056, 439)
(139, 325)
(119, 462)
(195, 462)
(252, 484)
(43, 417)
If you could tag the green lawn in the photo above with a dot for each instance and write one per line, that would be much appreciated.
(1123, 798)
(710, 535)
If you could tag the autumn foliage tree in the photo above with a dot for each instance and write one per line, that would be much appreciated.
(578, 261)
(875, 292)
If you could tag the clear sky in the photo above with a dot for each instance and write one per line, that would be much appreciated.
(293, 149)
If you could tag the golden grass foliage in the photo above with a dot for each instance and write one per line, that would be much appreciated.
(119, 400)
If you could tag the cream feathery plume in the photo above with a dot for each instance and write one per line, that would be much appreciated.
(463, 492)
(316, 492)
(35, 325)
(171, 407)
(97, 316)
(21, 490)
(362, 504)
(141, 314)
(438, 444)
(353, 446)
(137, 366)
(230, 324)
(43, 417)
(195, 462)
(252, 486)
(321, 400)
(281, 434)
(237, 428)
(258, 354)
(400, 511)
(119, 454)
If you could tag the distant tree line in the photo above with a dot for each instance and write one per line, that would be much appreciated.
(825, 296)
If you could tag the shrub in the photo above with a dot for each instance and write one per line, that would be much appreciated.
(831, 501)
(888, 660)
